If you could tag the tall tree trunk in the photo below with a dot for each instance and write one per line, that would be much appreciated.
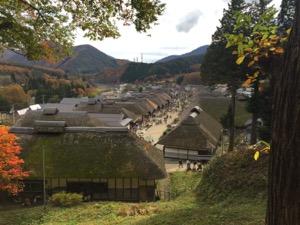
(254, 116)
(231, 120)
(284, 172)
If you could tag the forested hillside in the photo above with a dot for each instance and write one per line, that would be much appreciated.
(85, 59)
(140, 71)
(96, 66)
(11, 72)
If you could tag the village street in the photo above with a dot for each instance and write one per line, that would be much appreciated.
(153, 134)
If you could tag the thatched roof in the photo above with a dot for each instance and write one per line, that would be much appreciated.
(60, 106)
(156, 99)
(109, 119)
(147, 104)
(74, 101)
(90, 153)
(49, 126)
(163, 96)
(81, 119)
(133, 108)
(92, 106)
(196, 131)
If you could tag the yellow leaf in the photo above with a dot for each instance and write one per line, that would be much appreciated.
(272, 49)
(235, 53)
(247, 82)
(256, 74)
(255, 58)
(288, 31)
(240, 60)
(283, 39)
(256, 155)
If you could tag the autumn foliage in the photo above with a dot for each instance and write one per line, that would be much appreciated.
(11, 172)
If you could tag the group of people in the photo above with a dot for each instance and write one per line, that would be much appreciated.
(196, 165)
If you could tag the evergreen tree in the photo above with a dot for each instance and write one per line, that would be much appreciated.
(259, 8)
(219, 64)
(253, 106)
(286, 15)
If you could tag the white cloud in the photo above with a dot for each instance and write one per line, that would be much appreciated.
(189, 21)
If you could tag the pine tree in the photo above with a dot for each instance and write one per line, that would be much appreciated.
(253, 106)
(286, 15)
(219, 64)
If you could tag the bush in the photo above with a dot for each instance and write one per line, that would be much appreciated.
(66, 199)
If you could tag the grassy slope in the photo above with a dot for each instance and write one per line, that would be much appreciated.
(218, 106)
(231, 190)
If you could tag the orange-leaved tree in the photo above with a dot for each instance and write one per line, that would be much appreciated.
(11, 171)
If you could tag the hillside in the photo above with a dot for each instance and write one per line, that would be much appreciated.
(11, 72)
(141, 71)
(99, 67)
(199, 51)
(231, 190)
(86, 59)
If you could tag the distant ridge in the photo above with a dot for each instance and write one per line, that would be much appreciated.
(86, 59)
(199, 51)
(98, 67)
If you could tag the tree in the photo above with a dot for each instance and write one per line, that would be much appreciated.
(259, 8)
(15, 95)
(284, 180)
(4, 104)
(262, 45)
(44, 29)
(286, 15)
(219, 64)
(11, 172)
(284, 177)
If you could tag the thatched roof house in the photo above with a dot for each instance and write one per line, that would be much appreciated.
(102, 162)
(196, 137)
(86, 152)
(73, 119)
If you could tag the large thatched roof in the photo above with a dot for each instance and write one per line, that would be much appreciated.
(90, 153)
(196, 131)
(78, 118)
(92, 106)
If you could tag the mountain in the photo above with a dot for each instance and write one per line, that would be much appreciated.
(99, 67)
(86, 59)
(143, 71)
(199, 51)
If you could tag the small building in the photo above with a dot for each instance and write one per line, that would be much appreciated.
(195, 138)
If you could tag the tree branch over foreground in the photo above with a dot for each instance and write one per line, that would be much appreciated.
(45, 29)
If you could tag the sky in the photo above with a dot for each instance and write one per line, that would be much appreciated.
(183, 27)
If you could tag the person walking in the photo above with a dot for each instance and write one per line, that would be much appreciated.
(180, 163)
(188, 165)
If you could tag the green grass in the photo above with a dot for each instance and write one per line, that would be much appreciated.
(231, 190)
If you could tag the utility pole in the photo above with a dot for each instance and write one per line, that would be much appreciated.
(44, 178)
(13, 112)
